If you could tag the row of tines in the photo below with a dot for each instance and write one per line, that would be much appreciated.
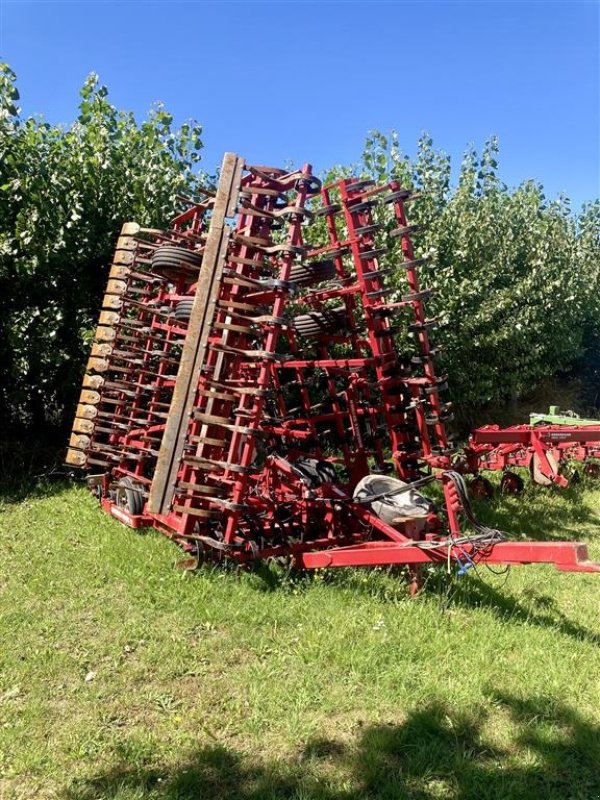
(136, 346)
(288, 393)
(230, 412)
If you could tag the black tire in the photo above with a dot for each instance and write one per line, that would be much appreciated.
(334, 208)
(423, 296)
(172, 253)
(318, 323)
(428, 325)
(405, 230)
(368, 229)
(129, 496)
(311, 184)
(442, 386)
(360, 186)
(309, 274)
(365, 205)
(174, 262)
(434, 420)
(401, 194)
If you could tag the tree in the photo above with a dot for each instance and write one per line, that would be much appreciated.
(64, 194)
(516, 275)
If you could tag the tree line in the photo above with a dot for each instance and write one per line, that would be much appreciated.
(516, 275)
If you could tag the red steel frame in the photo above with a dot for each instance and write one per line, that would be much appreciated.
(304, 360)
(493, 448)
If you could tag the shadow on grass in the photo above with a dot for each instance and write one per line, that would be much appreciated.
(551, 514)
(16, 489)
(437, 752)
(538, 609)
(33, 468)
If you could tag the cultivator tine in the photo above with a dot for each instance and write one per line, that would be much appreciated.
(76, 458)
(243, 384)
(128, 341)
(98, 363)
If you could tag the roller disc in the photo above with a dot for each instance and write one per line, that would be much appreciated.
(481, 488)
(511, 483)
(537, 475)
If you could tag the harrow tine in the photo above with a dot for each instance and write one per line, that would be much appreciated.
(236, 371)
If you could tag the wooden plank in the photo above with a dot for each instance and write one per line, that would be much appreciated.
(84, 425)
(195, 345)
(75, 458)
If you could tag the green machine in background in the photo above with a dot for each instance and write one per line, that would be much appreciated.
(554, 417)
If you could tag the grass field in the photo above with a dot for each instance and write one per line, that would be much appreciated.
(122, 677)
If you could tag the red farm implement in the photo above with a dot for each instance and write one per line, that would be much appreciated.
(261, 388)
(543, 449)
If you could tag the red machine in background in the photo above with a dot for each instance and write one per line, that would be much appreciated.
(256, 378)
(543, 449)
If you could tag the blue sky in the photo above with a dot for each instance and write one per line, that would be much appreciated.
(305, 81)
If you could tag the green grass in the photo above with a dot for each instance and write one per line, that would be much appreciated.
(339, 687)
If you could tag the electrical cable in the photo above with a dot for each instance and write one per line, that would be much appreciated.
(486, 537)
(371, 498)
(480, 542)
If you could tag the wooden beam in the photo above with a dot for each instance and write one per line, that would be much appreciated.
(196, 343)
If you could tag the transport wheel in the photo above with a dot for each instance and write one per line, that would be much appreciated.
(511, 483)
(591, 468)
(129, 496)
(480, 487)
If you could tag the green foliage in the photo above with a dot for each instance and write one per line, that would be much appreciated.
(64, 194)
(122, 678)
(516, 275)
